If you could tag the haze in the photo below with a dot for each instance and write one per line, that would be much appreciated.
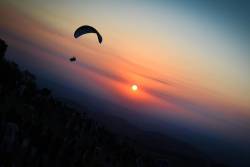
(190, 61)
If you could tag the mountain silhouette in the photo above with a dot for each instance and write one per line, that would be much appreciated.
(38, 130)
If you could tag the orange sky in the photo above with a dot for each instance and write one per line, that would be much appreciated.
(181, 76)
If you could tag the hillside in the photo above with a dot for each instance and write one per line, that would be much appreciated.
(36, 129)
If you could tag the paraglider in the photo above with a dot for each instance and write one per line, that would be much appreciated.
(85, 30)
(72, 59)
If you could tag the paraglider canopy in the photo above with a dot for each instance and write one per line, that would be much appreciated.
(85, 30)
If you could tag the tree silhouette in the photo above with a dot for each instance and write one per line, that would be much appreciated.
(37, 130)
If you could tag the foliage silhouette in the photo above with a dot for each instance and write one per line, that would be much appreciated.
(37, 130)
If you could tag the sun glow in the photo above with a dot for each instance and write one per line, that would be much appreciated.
(134, 88)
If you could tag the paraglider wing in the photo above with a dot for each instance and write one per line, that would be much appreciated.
(85, 30)
(72, 59)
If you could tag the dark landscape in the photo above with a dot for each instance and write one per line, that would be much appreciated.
(37, 130)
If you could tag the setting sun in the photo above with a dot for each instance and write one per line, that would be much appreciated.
(134, 87)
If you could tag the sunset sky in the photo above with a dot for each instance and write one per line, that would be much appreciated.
(190, 59)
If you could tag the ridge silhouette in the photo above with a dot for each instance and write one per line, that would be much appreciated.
(37, 130)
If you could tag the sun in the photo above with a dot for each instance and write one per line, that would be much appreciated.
(134, 87)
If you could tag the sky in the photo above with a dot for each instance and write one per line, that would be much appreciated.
(190, 60)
